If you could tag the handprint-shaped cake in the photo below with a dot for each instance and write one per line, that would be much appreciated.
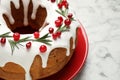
(37, 38)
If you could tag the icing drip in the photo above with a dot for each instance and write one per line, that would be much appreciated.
(23, 57)
(25, 4)
(35, 7)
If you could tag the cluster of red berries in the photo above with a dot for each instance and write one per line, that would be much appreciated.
(54, 35)
(59, 21)
(62, 4)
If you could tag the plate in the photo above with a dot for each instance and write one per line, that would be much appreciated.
(77, 61)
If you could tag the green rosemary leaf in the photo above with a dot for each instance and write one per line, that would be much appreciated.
(57, 1)
(73, 19)
(12, 45)
(59, 28)
(45, 36)
(23, 40)
(43, 39)
(60, 1)
(61, 13)
(16, 46)
(46, 41)
(21, 45)
(48, 44)
(5, 34)
(66, 12)
(65, 30)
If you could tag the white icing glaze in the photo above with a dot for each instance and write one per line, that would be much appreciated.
(22, 56)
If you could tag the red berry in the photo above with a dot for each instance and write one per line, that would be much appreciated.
(54, 36)
(28, 45)
(3, 40)
(58, 23)
(60, 18)
(70, 15)
(67, 22)
(60, 5)
(36, 35)
(64, 0)
(65, 3)
(43, 48)
(51, 30)
(16, 36)
(53, 1)
(58, 34)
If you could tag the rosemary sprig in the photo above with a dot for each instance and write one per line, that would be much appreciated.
(5, 34)
(24, 40)
(61, 12)
(14, 44)
(64, 13)
(44, 39)
(63, 29)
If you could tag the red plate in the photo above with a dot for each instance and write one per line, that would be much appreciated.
(77, 61)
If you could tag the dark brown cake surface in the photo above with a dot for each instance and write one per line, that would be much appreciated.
(18, 15)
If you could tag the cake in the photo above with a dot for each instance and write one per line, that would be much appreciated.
(37, 38)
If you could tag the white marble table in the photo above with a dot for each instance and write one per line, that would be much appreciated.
(101, 19)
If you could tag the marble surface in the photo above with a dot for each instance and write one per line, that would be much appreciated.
(101, 19)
